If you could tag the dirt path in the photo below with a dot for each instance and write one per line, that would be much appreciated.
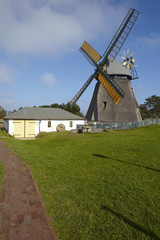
(22, 213)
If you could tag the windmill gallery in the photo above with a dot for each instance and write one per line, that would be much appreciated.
(113, 99)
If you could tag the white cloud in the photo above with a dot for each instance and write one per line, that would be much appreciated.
(152, 41)
(6, 74)
(48, 79)
(36, 27)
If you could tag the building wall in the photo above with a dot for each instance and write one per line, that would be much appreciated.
(42, 125)
(54, 123)
(9, 126)
(6, 125)
(37, 128)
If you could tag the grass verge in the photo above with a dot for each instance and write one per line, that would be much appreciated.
(1, 174)
(98, 186)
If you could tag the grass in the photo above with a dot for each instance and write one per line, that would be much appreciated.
(1, 165)
(1, 174)
(98, 186)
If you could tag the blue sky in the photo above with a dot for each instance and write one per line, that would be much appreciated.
(40, 61)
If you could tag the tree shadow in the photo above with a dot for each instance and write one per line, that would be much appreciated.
(131, 223)
(134, 164)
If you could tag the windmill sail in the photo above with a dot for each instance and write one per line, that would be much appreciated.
(86, 48)
(115, 92)
(81, 91)
(121, 35)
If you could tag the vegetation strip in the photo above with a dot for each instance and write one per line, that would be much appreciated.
(1, 174)
(43, 205)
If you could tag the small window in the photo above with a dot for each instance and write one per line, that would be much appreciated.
(49, 123)
(104, 105)
(71, 124)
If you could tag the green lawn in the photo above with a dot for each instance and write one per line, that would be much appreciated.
(1, 165)
(1, 174)
(101, 186)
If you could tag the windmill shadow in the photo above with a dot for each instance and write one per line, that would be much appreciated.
(134, 164)
(131, 223)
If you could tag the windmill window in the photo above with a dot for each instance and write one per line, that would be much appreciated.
(71, 124)
(104, 105)
(49, 123)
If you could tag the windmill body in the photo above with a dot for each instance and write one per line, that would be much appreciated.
(103, 109)
(113, 99)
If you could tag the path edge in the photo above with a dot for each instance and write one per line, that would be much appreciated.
(43, 205)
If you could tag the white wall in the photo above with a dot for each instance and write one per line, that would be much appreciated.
(44, 125)
(37, 127)
(9, 126)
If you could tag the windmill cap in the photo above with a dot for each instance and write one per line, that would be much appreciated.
(116, 68)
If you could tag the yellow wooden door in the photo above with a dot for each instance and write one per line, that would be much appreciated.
(19, 128)
(29, 128)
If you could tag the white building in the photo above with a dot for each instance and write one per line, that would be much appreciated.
(29, 122)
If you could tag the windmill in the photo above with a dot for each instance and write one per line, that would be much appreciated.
(113, 89)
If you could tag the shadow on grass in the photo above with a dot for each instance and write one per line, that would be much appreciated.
(137, 165)
(131, 223)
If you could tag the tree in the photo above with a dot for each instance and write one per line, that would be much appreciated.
(45, 106)
(151, 107)
(54, 105)
(2, 112)
(75, 109)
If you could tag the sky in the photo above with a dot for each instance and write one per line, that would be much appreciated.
(40, 61)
